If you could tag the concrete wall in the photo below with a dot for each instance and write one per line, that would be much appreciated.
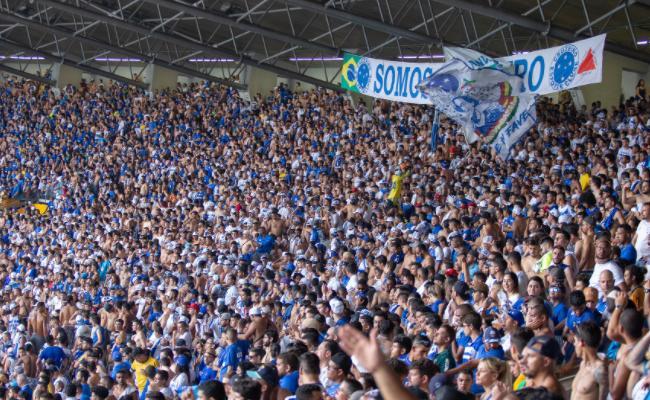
(630, 80)
(609, 91)
(259, 81)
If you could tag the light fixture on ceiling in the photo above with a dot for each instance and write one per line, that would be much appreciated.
(294, 59)
(117, 59)
(225, 6)
(422, 57)
(211, 60)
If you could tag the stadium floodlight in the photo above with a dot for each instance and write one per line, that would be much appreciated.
(211, 60)
(422, 57)
(118, 59)
(21, 58)
(316, 59)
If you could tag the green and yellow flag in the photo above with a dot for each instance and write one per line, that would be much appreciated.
(349, 72)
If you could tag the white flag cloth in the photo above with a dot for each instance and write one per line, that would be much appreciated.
(484, 96)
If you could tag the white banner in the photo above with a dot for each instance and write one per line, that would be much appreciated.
(554, 69)
(544, 71)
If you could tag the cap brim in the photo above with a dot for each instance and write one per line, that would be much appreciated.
(254, 375)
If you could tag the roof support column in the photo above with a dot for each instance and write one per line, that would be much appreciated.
(259, 81)
(160, 78)
(65, 75)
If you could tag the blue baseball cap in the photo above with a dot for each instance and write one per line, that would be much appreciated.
(182, 361)
(517, 316)
(491, 335)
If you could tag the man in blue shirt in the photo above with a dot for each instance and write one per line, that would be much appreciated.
(287, 366)
(560, 310)
(52, 354)
(401, 348)
(622, 239)
(208, 373)
(338, 369)
(579, 312)
(472, 341)
(231, 356)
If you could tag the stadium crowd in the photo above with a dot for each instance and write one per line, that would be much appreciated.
(199, 246)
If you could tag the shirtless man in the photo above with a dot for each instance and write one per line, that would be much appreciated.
(591, 381)
(108, 316)
(276, 225)
(67, 313)
(629, 199)
(585, 248)
(258, 326)
(531, 256)
(626, 327)
(538, 364)
(37, 323)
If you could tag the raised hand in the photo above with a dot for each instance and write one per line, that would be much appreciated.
(365, 350)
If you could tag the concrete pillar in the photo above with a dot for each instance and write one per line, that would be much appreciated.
(159, 78)
(259, 81)
(66, 75)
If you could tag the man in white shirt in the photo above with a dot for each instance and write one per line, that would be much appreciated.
(604, 262)
(641, 238)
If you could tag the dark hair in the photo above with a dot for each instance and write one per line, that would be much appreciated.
(520, 338)
(155, 395)
(258, 351)
(310, 336)
(589, 333)
(353, 385)
(331, 346)
(305, 392)
(213, 390)
(404, 341)
(536, 394)
(163, 374)
(310, 363)
(637, 273)
(584, 278)
(632, 322)
(577, 298)
(247, 388)
(514, 277)
(290, 359)
(473, 319)
(538, 280)
(398, 366)
(425, 367)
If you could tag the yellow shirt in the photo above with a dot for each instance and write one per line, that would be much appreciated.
(584, 180)
(637, 297)
(138, 368)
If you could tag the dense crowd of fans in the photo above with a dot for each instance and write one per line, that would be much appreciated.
(199, 246)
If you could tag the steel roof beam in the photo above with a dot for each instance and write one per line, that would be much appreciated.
(181, 42)
(27, 75)
(71, 63)
(119, 50)
(367, 22)
(245, 26)
(543, 28)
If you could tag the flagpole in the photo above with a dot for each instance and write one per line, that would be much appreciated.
(435, 127)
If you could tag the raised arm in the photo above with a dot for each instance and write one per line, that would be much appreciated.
(368, 353)
(635, 357)
(612, 327)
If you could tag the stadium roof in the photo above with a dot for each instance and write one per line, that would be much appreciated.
(299, 38)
